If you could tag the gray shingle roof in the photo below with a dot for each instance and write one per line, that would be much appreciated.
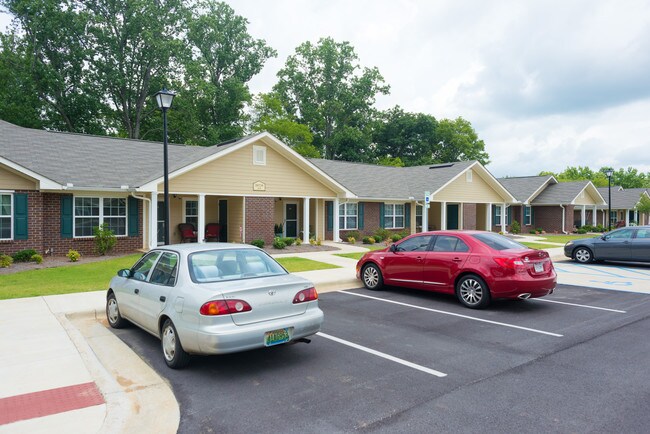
(621, 198)
(386, 182)
(560, 193)
(95, 161)
(523, 187)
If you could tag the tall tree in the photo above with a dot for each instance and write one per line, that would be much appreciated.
(223, 57)
(457, 140)
(324, 87)
(411, 137)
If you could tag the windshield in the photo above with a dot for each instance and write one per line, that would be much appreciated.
(498, 242)
(231, 264)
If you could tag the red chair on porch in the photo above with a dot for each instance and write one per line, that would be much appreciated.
(212, 231)
(188, 233)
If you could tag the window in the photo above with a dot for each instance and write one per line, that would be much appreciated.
(415, 244)
(612, 217)
(259, 155)
(527, 214)
(165, 271)
(497, 215)
(622, 234)
(192, 212)
(5, 216)
(498, 242)
(231, 264)
(446, 243)
(418, 216)
(643, 233)
(91, 212)
(348, 216)
(141, 270)
(393, 216)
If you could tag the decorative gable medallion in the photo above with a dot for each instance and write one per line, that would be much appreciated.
(259, 186)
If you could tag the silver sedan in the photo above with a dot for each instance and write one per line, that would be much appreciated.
(213, 298)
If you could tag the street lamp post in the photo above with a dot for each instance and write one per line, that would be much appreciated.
(164, 99)
(609, 173)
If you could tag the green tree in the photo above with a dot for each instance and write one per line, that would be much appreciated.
(390, 161)
(644, 204)
(222, 58)
(457, 141)
(410, 137)
(324, 87)
(268, 115)
(628, 178)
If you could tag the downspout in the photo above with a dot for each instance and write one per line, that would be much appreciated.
(150, 222)
(563, 219)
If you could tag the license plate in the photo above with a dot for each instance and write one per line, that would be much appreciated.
(276, 337)
(539, 267)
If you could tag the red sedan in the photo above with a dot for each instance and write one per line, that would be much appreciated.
(476, 266)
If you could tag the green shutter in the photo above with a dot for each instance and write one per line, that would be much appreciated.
(132, 205)
(407, 216)
(494, 215)
(20, 216)
(381, 215)
(361, 215)
(508, 215)
(329, 207)
(66, 216)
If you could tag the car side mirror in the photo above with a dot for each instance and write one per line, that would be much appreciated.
(125, 272)
(393, 248)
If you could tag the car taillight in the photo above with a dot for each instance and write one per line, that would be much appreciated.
(224, 307)
(515, 264)
(306, 295)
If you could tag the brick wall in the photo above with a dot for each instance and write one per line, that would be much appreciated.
(34, 226)
(259, 219)
(469, 216)
(371, 212)
(549, 218)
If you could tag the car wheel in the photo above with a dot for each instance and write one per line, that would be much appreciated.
(175, 355)
(583, 255)
(371, 276)
(473, 292)
(115, 320)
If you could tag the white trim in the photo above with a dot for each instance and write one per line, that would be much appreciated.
(345, 215)
(262, 161)
(184, 215)
(335, 220)
(305, 220)
(394, 215)
(476, 164)
(540, 189)
(44, 183)
(200, 209)
(12, 212)
(100, 216)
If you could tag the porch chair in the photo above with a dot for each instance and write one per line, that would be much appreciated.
(188, 232)
(212, 231)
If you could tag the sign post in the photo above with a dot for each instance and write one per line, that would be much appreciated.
(425, 211)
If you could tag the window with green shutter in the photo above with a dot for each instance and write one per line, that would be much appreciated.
(329, 208)
(6, 212)
(21, 224)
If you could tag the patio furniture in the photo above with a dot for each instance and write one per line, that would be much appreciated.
(188, 232)
(212, 231)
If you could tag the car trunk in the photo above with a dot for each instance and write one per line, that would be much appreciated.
(538, 264)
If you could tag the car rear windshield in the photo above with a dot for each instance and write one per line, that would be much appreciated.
(231, 264)
(498, 242)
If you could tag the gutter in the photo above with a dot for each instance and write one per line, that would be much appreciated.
(563, 219)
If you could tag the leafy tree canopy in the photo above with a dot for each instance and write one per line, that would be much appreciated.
(457, 141)
(626, 178)
(644, 204)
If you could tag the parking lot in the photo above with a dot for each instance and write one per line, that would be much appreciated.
(408, 361)
(630, 277)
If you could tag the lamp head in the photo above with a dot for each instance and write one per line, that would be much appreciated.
(164, 98)
(609, 173)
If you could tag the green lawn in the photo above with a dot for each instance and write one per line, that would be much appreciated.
(538, 245)
(564, 238)
(294, 264)
(358, 255)
(93, 276)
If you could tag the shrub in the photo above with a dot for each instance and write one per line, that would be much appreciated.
(405, 233)
(352, 240)
(532, 231)
(515, 228)
(73, 255)
(368, 240)
(258, 243)
(288, 241)
(587, 228)
(24, 255)
(582, 231)
(278, 243)
(319, 241)
(312, 241)
(354, 234)
(378, 238)
(37, 258)
(383, 233)
(539, 230)
(277, 229)
(6, 261)
(600, 228)
(298, 241)
(104, 239)
(396, 237)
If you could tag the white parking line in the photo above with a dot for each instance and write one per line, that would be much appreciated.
(456, 314)
(384, 355)
(579, 305)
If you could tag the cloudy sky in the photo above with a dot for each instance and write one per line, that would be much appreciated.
(546, 84)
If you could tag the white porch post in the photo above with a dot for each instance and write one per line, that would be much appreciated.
(627, 217)
(335, 223)
(443, 216)
(488, 217)
(153, 221)
(425, 217)
(503, 218)
(583, 215)
(636, 216)
(305, 220)
(200, 231)
(461, 223)
(593, 217)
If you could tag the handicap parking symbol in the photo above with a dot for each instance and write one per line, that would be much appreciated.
(613, 282)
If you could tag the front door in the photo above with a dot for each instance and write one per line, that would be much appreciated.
(223, 220)
(291, 220)
(452, 216)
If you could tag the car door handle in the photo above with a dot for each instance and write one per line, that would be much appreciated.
(163, 298)
(136, 290)
(419, 258)
(456, 259)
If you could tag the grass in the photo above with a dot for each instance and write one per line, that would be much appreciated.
(93, 276)
(356, 256)
(538, 245)
(564, 238)
(294, 264)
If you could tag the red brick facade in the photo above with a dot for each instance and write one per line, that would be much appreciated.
(549, 218)
(44, 230)
(259, 219)
(469, 216)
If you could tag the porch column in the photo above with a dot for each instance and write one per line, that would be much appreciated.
(503, 218)
(153, 221)
(200, 231)
(583, 215)
(425, 217)
(593, 218)
(443, 216)
(335, 225)
(461, 223)
(488, 217)
(636, 216)
(305, 220)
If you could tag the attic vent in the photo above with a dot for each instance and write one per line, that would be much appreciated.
(259, 155)
(441, 166)
(468, 175)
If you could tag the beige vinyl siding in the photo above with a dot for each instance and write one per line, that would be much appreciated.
(235, 218)
(477, 191)
(235, 174)
(585, 198)
(13, 181)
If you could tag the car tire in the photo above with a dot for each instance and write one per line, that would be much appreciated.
(583, 255)
(173, 352)
(372, 278)
(113, 316)
(473, 292)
